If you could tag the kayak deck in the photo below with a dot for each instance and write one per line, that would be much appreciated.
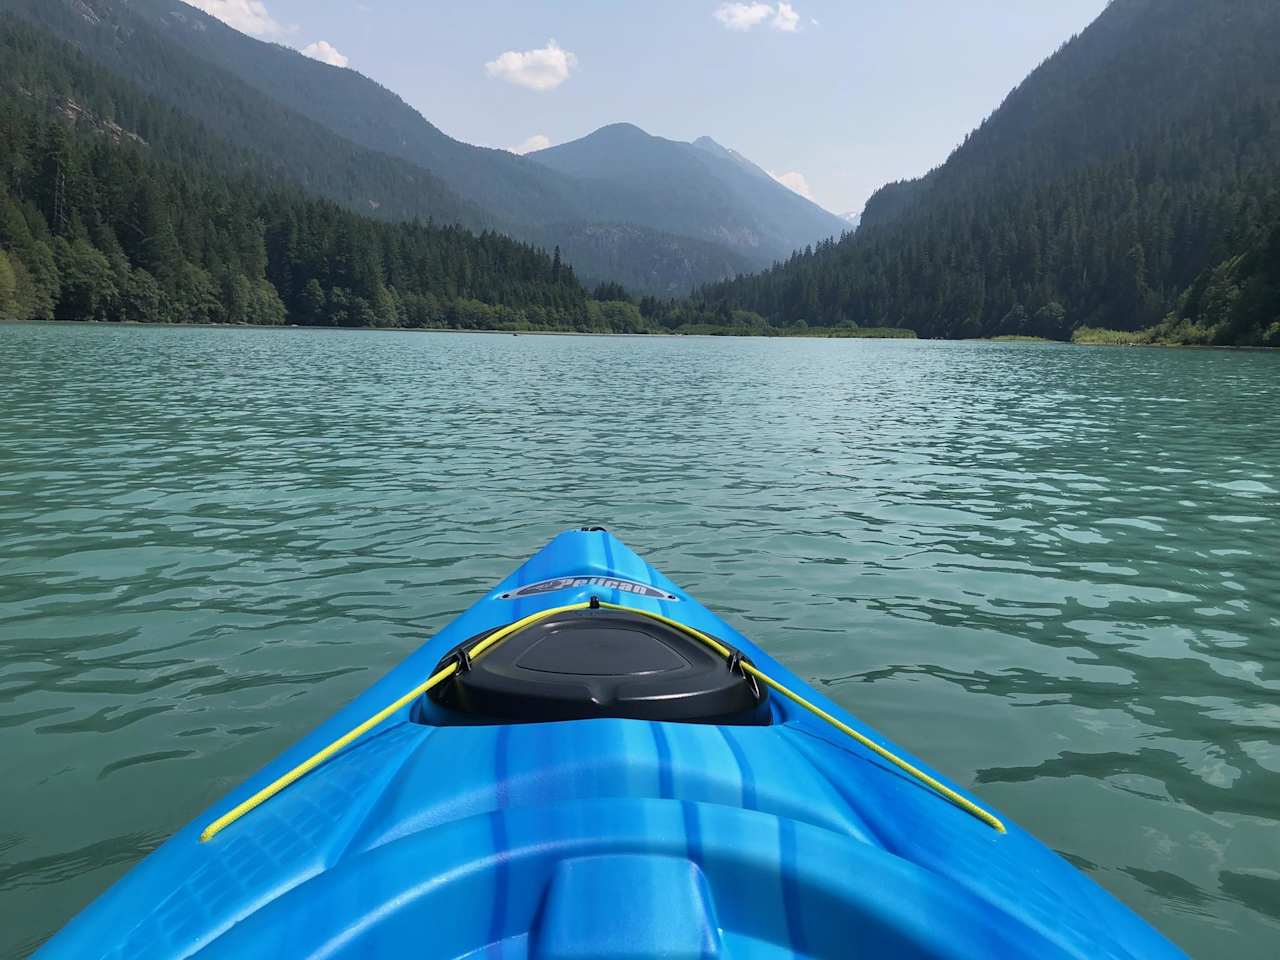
(600, 838)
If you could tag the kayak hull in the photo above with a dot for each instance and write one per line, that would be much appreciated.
(600, 838)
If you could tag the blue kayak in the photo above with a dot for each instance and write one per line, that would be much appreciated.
(589, 765)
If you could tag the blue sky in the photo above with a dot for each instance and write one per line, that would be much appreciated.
(839, 96)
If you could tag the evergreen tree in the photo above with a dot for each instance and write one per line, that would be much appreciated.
(8, 289)
(143, 300)
(87, 284)
(610, 291)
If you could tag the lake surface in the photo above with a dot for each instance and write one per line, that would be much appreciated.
(1051, 571)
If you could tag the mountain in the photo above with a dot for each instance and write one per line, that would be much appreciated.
(853, 218)
(695, 189)
(1141, 154)
(116, 206)
(339, 134)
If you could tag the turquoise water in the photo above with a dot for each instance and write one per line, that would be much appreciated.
(1049, 570)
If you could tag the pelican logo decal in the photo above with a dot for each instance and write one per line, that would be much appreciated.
(574, 583)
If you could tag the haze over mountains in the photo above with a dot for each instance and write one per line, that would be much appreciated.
(683, 215)
(698, 189)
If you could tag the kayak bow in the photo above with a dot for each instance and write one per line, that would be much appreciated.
(589, 764)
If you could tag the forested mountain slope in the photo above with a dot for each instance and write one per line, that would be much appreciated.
(1236, 301)
(382, 157)
(286, 144)
(643, 260)
(1141, 154)
(115, 206)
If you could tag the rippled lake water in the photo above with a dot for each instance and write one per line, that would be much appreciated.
(1051, 571)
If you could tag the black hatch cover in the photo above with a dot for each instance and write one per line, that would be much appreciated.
(602, 663)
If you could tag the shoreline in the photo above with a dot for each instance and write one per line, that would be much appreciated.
(666, 334)
(1031, 341)
(167, 325)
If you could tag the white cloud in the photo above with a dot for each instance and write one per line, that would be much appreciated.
(247, 16)
(539, 141)
(325, 52)
(796, 182)
(742, 16)
(786, 19)
(542, 69)
(745, 16)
